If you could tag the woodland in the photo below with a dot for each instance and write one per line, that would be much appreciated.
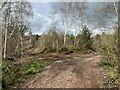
(57, 58)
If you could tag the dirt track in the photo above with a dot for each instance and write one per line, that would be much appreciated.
(75, 72)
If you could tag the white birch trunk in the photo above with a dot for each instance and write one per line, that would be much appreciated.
(5, 45)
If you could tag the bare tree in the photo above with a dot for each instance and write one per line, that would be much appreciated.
(78, 11)
(64, 11)
(7, 20)
(107, 12)
(53, 27)
(14, 15)
(71, 14)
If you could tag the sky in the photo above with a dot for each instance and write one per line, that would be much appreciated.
(41, 21)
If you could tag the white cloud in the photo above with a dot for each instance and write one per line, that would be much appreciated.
(41, 20)
(45, 18)
(40, 23)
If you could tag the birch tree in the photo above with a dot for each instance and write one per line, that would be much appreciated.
(6, 24)
(53, 28)
(65, 17)
(78, 11)
(18, 13)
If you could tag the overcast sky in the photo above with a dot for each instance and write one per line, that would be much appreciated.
(41, 20)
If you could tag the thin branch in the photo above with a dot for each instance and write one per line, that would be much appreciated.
(11, 33)
(4, 3)
(116, 10)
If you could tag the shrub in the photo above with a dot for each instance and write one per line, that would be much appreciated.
(63, 49)
(73, 48)
(35, 67)
(8, 74)
(109, 49)
(48, 49)
(86, 38)
(15, 75)
(109, 52)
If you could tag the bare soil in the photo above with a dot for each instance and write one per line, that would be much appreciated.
(69, 71)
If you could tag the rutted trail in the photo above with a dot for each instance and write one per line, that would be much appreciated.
(74, 72)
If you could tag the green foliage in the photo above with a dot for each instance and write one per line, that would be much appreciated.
(48, 43)
(109, 52)
(70, 40)
(106, 64)
(96, 42)
(7, 74)
(110, 70)
(86, 38)
(51, 39)
(15, 75)
(63, 49)
(51, 49)
(48, 49)
(35, 67)
(73, 48)
(83, 41)
(109, 48)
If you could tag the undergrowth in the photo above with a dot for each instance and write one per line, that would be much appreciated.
(14, 75)
(113, 78)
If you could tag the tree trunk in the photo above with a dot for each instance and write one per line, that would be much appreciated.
(53, 45)
(57, 43)
(21, 40)
(75, 42)
(119, 36)
(6, 29)
(65, 39)
(66, 27)
(5, 45)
